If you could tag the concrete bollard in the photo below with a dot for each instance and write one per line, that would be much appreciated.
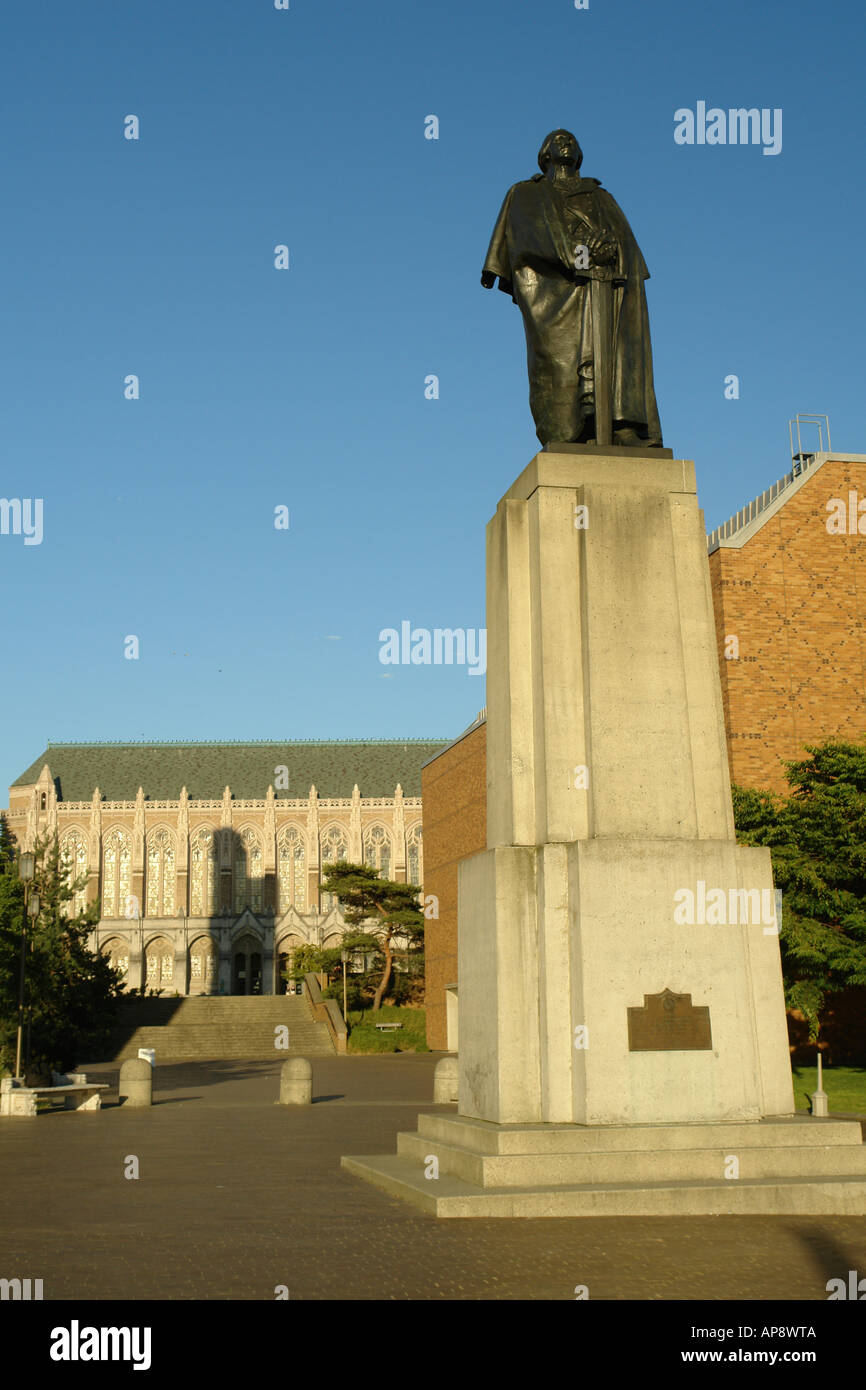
(296, 1082)
(445, 1081)
(136, 1082)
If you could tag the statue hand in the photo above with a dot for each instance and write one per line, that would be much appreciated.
(602, 250)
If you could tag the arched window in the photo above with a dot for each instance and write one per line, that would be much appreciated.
(377, 850)
(205, 873)
(159, 963)
(413, 854)
(160, 874)
(117, 952)
(75, 853)
(335, 847)
(292, 869)
(43, 801)
(116, 873)
(248, 871)
(202, 966)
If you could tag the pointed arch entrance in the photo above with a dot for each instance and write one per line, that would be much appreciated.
(247, 965)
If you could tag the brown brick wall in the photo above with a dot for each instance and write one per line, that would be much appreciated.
(794, 597)
(454, 798)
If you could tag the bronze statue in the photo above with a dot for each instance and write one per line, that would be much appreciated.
(564, 251)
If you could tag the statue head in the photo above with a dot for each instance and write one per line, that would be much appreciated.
(560, 147)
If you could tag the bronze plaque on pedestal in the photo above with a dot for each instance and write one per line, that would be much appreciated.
(669, 1022)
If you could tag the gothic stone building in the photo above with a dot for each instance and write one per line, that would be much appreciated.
(207, 859)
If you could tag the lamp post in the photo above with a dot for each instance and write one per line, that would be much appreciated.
(344, 957)
(33, 905)
(26, 870)
(32, 909)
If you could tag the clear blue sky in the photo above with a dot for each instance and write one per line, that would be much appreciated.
(306, 387)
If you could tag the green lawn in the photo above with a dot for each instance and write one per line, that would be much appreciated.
(410, 1037)
(845, 1087)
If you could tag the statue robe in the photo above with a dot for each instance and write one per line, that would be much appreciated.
(532, 253)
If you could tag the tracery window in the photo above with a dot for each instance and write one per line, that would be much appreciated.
(159, 963)
(118, 955)
(413, 855)
(248, 871)
(160, 874)
(116, 873)
(292, 869)
(377, 850)
(205, 873)
(203, 962)
(74, 850)
(335, 847)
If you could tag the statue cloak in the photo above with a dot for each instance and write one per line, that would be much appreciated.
(532, 253)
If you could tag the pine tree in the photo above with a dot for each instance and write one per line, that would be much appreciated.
(71, 991)
(388, 909)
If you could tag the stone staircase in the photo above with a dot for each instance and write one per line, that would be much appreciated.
(207, 1028)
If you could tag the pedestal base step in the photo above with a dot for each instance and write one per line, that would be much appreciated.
(449, 1196)
(787, 1166)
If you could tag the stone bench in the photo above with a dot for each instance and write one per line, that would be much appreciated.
(388, 1027)
(78, 1094)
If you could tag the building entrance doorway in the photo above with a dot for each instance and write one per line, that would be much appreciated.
(246, 967)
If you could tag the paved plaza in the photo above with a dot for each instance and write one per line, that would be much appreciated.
(237, 1195)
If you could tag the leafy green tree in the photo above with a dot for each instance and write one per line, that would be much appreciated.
(817, 838)
(313, 959)
(71, 991)
(389, 910)
(328, 960)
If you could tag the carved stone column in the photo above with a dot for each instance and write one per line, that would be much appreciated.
(313, 846)
(225, 894)
(182, 862)
(356, 845)
(269, 859)
(138, 839)
(399, 861)
(94, 849)
(180, 941)
(51, 814)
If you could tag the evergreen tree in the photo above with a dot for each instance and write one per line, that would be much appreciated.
(389, 910)
(71, 991)
(817, 838)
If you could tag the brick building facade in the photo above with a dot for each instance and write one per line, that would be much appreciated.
(788, 576)
(455, 783)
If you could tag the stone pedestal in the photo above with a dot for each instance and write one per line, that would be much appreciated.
(609, 803)
(623, 1038)
(566, 942)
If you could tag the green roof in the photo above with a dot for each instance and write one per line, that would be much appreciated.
(206, 769)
